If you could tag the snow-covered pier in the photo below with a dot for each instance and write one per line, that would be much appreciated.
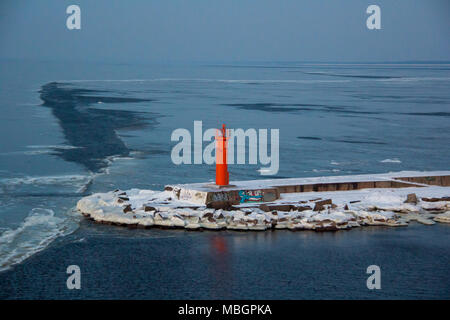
(320, 203)
(270, 190)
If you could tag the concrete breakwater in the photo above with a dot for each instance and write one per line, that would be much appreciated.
(270, 190)
(320, 204)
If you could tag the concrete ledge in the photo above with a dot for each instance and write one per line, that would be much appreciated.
(443, 181)
(269, 190)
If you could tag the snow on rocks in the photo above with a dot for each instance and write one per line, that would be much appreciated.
(318, 211)
(387, 200)
(443, 218)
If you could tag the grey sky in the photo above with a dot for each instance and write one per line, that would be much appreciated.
(226, 30)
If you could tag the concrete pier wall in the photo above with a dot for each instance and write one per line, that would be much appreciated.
(269, 190)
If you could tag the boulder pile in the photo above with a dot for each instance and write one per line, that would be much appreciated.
(146, 208)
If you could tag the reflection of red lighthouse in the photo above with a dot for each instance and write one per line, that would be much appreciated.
(219, 245)
(220, 271)
(222, 176)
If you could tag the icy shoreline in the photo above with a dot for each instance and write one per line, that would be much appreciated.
(319, 211)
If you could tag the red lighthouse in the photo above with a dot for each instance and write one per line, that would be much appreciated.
(222, 176)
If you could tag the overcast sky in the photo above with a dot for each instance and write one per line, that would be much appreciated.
(226, 30)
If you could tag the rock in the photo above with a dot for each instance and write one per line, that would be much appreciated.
(188, 207)
(211, 223)
(208, 215)
(411, 198)
(436, 199)
(346, 207)
(149, 208)
(220, 216)
(124, 199)
(177, 221)
(168, 188)
(355, 201)
(146, 222)
(192, 226)
(219, 205)
(127, 208)
(443, 218)
(257, 227)
(328, 226)
(281, 207)
(425, 221)
(319, 206)
(324, 202)
(282, 223)
(301, 208)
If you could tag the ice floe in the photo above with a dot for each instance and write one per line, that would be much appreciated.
(38, 230)
(394, 160)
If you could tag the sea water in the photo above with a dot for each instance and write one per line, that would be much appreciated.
(69, 129)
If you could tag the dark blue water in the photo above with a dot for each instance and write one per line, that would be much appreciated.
(71, 129)
(176, 264)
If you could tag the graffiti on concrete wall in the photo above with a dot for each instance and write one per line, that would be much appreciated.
(250, 196)
(221, 196)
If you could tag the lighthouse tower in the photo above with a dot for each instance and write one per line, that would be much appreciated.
(222, 176)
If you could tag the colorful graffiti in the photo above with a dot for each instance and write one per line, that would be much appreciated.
(250, 196)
